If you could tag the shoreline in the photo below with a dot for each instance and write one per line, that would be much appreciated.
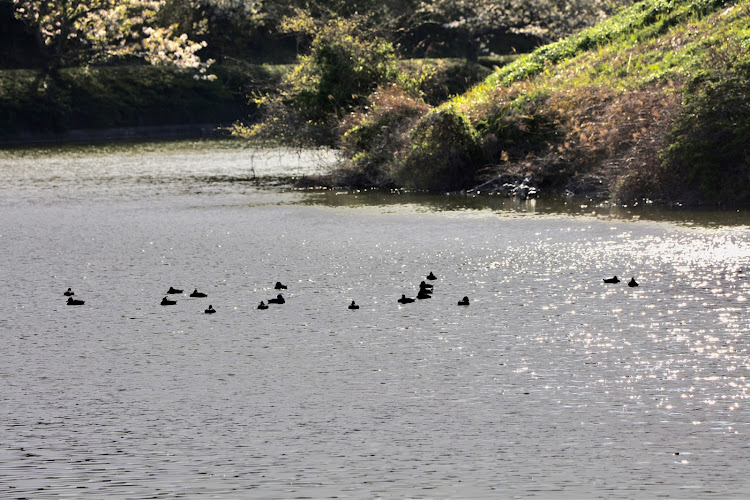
(120, 134)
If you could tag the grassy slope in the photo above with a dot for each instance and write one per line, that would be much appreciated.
(595, 113)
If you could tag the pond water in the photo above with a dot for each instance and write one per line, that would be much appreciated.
(550, 384)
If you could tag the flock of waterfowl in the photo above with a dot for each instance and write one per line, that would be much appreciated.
(425, 292)
(615, 279)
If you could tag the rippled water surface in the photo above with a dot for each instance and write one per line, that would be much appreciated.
(550, 384)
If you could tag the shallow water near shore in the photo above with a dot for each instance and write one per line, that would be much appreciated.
(550, 384)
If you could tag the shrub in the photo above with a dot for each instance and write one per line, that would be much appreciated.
(443, 154)
(711, 138)
(373, 139)
(344, 66)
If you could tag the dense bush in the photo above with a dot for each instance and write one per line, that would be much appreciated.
(443, 154)
(711, 139)
(344, 66)
(439, 79)
(373, 140)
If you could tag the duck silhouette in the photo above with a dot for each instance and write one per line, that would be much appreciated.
(278, 300)
(196, 293)
(405, 300)
(424, 294)
(431, 276)
(262, 305)
(353, 305)
(425, 286)
(632, 282)
(68, 292)
(74, 302)
(279, 286)
(614, 279)
(173, 290)
(166, 302)
(210, 309)
(464, 301)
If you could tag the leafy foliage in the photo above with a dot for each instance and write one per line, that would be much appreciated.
(72, 32)
(711, 139)
(344, 66)
(592, 112)
(442, 156)
(225, 27)
(373, 140)
(475, 20)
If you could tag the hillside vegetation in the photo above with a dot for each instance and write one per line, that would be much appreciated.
(652, 104)
(107, 97)
(124, 96)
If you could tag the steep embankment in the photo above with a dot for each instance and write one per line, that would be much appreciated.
(653, 103)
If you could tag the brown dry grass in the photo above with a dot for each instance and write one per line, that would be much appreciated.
(607, 142)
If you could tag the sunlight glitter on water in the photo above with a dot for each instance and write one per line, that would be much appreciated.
(551, 383)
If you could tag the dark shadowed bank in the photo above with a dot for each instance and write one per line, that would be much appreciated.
(120, 134)
(126, 103)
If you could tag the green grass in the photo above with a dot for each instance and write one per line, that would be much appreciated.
(606, 102)
(651, 41)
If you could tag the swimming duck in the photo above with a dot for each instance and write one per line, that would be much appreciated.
(173, 290)
(278, 300)
(196, 293)
(424, 294)
(353, 305)
(74, 302)
(210, 309)
(166, 302)
(68, 292)
(632, 282)
(425, 286)
(614, 279)
(431, 276)
(279, 286)
(405, 300)
(464, 301)
(262, 305)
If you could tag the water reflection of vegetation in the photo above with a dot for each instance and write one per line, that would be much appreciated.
(549, 205)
